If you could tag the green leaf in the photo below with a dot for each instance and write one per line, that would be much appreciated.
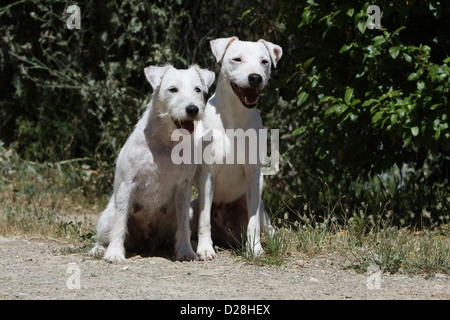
(353, 117)
(348, 95)
(407, 57)
(331, 110)
(394, 51)
(350, 12)
(302, 98)
(435, 106)
(377, 116)
(345, 48)
(437, 134)
(361, 26)
(378, 40)
(415, 131)
(341, 109)
(394, 118)
(433, 71)
(308, 62)
(398, 30)
(300, 130)
(246, 12)
(368, 102)
(407, 141)
(420, 85)
(413, 76)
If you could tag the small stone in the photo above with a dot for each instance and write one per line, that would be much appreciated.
(300, 263)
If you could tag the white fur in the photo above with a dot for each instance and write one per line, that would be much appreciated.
(224, 183)
(145, 173)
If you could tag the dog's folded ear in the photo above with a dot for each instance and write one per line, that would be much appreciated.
(275, 51)
(207, 77)
(154, 75)
(219, 47)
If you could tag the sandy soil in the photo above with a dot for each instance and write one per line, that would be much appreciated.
(36, 269)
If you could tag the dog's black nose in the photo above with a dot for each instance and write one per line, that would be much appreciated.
(255, 80)
(192, 110)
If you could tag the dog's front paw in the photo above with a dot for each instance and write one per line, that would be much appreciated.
(269, 230)
(97, 252)
(186, 255)
(254, 252)
(206, 252)
(114, 255)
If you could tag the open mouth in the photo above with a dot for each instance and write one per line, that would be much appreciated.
(185, 124)
(248, 96)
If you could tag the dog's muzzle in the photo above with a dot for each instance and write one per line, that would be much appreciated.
(249, 95)
(188, 124)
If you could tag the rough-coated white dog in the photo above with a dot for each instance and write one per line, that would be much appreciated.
(147, 184)
(245, 72)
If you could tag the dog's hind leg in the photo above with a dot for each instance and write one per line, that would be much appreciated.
(122, 203)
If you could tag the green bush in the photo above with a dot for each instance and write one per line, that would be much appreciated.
(362, 102)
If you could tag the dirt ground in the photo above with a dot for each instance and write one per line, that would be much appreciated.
(36, 269)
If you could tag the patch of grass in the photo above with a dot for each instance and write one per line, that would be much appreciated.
(431, 254)
(388, 249)
(35, 203)
(401, 250)
(275, 249)
(363, 241)
(46, 216)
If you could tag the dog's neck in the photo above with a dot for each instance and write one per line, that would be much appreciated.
(233, 113)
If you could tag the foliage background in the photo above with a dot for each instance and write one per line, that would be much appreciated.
(362, 113)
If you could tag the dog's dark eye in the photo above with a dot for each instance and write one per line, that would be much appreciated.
(264, 61)
(173, 89)
(237, 59)
(198, 90)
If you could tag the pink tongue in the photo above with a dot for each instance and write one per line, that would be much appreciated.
(188, 125)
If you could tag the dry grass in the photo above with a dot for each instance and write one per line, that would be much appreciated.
(45, 215)
(35, 203)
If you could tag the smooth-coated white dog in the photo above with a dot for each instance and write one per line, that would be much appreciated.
(245, 72)
(147, 184)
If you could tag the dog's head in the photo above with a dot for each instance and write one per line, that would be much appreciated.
(246, 65)
(179, 94)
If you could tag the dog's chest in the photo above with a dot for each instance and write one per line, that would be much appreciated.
(159, 179)
(229, 182)
(232, 146)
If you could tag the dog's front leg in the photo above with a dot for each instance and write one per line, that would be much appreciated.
(183, 248)
(253, 195)
(205, 250)
(122, 198)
